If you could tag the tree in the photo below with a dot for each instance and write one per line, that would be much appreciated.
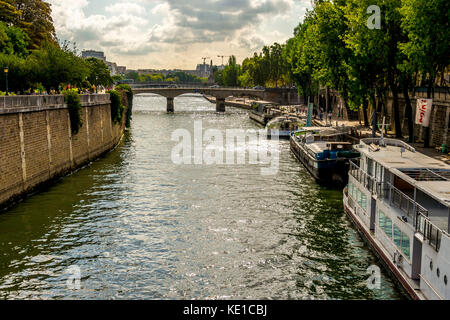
(13, 40)
(276, 63)
(427, 47)
(8, 11)
(53, 66)
(36, 20)
(366, 65)
(300, 57)
(231, 73)
(99, 74)
(132, 75)
(19, 76)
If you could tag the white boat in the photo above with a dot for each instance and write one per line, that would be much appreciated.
(400, 201)
(284, 126)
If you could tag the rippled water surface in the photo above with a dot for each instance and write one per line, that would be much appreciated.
(139, 227)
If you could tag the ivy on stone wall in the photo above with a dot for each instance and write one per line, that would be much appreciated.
(129, 93)
(73, 101)
(116, 106)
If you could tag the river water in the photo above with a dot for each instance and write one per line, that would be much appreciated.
(134, 225)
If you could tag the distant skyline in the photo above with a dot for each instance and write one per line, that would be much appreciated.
(175, 34)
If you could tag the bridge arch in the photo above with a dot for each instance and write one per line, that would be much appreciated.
(219, 93)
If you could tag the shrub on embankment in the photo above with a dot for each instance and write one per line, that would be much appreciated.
(129, 92)
(117, 107)
(72, 98)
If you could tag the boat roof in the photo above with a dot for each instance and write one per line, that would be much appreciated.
(285, 119)
(425, 173)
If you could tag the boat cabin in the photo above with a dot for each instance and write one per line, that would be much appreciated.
(404, 198)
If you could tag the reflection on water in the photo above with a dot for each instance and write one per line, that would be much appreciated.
(140, 227)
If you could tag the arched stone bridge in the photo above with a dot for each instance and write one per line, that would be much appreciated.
(219, 93)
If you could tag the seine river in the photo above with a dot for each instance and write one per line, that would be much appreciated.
(134, 225)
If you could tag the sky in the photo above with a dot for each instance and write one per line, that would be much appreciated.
(175, 34)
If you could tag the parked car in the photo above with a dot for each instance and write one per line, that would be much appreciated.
(214, 86)
(259, 88)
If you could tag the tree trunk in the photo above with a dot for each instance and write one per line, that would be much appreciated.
(408, 113)
(374, 116)
(365, 107)
(397, 123)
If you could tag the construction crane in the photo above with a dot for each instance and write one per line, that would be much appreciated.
(204, 59)
(223, 57)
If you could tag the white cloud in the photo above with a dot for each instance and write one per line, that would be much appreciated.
(175, 33)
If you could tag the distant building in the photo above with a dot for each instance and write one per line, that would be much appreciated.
(112, 68)
(93, 54)
(122, 70)
(203, 70)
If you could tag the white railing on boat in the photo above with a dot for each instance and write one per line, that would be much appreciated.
(362, 177)
(396, 198)
(388, 142)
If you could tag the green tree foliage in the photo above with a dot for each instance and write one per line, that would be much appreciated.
(231, 73)
(116, 106)
(427, 46)
(19, 75)
(36, 20)
(99, 73)
(178, 77)
(8, 12)
(426, 23)
(13, 40)
(53, 66)
(300, 55)
(129, 92)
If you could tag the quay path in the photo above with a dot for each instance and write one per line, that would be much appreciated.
(357, 125)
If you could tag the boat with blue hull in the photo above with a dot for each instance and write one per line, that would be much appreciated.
(325, 153)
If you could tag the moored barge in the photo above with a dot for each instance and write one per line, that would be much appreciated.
(263, 112)
(324, 153)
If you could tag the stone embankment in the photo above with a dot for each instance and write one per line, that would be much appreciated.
(37, 144)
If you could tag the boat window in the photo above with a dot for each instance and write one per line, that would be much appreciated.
(397, 237)
(385, 224)
(406, 247)
(402, 241)
(362, 200)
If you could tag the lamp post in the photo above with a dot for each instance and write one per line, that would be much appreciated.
(6, 79)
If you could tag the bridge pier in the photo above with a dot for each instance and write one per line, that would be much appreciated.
(220, 104)
(170, 105)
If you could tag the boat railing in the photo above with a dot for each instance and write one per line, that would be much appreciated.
(363, 177)
(396, 198)
(407, 205)
(389, 142)
(430, 231)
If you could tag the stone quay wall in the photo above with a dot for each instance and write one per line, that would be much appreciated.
(37, 144)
